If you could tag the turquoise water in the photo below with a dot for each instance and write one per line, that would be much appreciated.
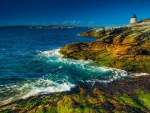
(30, 63)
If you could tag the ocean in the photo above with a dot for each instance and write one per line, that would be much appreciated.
(30, 63)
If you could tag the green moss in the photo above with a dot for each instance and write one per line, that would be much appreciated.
(89, 110)
(20, 105)
(127, 100)
(128, 40)
(5, 111)
(65, 105)
(80, 99)
(92, 100)
(86, 103)
(144, 97)
(29, 103)
(40, 111)
(146, 66)
(131, 66)
(104, 54)
(44, 101)
(58, 94)
(139, 66)
(101, 110)
(102, 97)
(52, 110)
(78, 110)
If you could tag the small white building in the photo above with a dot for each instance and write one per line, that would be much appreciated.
(133, 20)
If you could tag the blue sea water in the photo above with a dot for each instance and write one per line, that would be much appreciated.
(30, 63)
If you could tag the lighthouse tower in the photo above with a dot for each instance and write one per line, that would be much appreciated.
(133, 20)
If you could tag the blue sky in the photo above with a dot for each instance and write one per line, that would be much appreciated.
(72, 12)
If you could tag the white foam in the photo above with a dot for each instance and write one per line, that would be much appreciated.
(50, 53)
(117, 75)
(87, 66)
(36, 87)
(139, 74)
(51, 87)
(44, 86)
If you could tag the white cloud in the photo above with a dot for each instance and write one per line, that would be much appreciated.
(91, 22)
(65, 22)
(72, 22)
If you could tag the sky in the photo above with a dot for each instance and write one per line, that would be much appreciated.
(72, 12)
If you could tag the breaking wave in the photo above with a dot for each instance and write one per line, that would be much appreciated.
(58, 74)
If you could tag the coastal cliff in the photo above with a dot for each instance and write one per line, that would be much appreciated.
(126, 47)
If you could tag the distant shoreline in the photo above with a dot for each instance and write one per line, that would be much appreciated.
(44, 27)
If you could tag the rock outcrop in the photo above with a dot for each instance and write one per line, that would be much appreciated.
(126, 47)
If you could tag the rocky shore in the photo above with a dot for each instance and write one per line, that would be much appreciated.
(129, 95)
(126, 47)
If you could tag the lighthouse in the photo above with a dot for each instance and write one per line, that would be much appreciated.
(133, 20)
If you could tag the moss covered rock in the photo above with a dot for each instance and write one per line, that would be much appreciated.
(125, 48)
(131, 95)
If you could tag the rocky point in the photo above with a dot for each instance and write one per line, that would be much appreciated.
(126, 47)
